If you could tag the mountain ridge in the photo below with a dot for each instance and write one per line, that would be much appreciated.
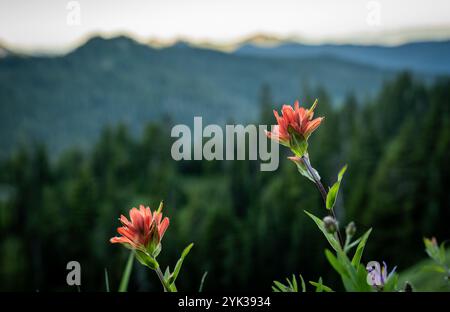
(430, 57)
(67, 100)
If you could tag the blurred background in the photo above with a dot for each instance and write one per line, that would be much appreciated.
(89, 92)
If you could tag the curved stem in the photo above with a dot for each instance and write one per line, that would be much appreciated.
(163, 280)
(321, 189)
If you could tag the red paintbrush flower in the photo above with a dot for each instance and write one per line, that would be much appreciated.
(294, 121)
(145, 230)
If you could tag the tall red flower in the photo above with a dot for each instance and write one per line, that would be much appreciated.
(294, 120)
(145, 230)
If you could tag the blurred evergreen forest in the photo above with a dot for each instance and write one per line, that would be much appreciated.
(248, 226)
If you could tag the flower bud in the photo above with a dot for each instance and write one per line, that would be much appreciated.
(434, 241)
(330, 224)
(350, 230)
(408, 287)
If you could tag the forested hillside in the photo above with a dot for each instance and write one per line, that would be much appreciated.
(66, 101)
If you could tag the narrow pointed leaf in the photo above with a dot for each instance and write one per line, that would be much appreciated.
(107, 281)
(320, 287)
(280, 286)
(303, 283)
(334, 190)
(167, 273)
(330, 237)
(335, 263)
(359, 250)
(202, 282)
(126, 274)
(177, 269)
(294, 282)
(290, 284)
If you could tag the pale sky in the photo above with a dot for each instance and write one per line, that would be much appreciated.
(42, 24)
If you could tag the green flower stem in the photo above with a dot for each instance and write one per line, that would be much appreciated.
(163, 280)
(321, 189)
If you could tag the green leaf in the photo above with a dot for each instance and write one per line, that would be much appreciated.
(442, 253)
(359, 250)
(350, 281)
(281, 287)
(330, 237)
(301, 167)
(202, 282)
(156, 251)
(352, 244)
(341, 173)
(303, 283)
(173, 287)
(177, 269)
(147, 260)
(290, 284)
(361, 280)
(348, 284)
(335, 263)
(290, 287)
(434, 268)
(107, 281)
(304, 171)
(320, 287)
(167, 273)
(333, 192)
(332, 195)
(126, 274)
(391, 284)
(294, 282)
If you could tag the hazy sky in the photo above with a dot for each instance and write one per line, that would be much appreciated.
(42, 24)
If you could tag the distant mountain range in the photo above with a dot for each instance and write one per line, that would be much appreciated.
(429, 57)
(66, 100)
